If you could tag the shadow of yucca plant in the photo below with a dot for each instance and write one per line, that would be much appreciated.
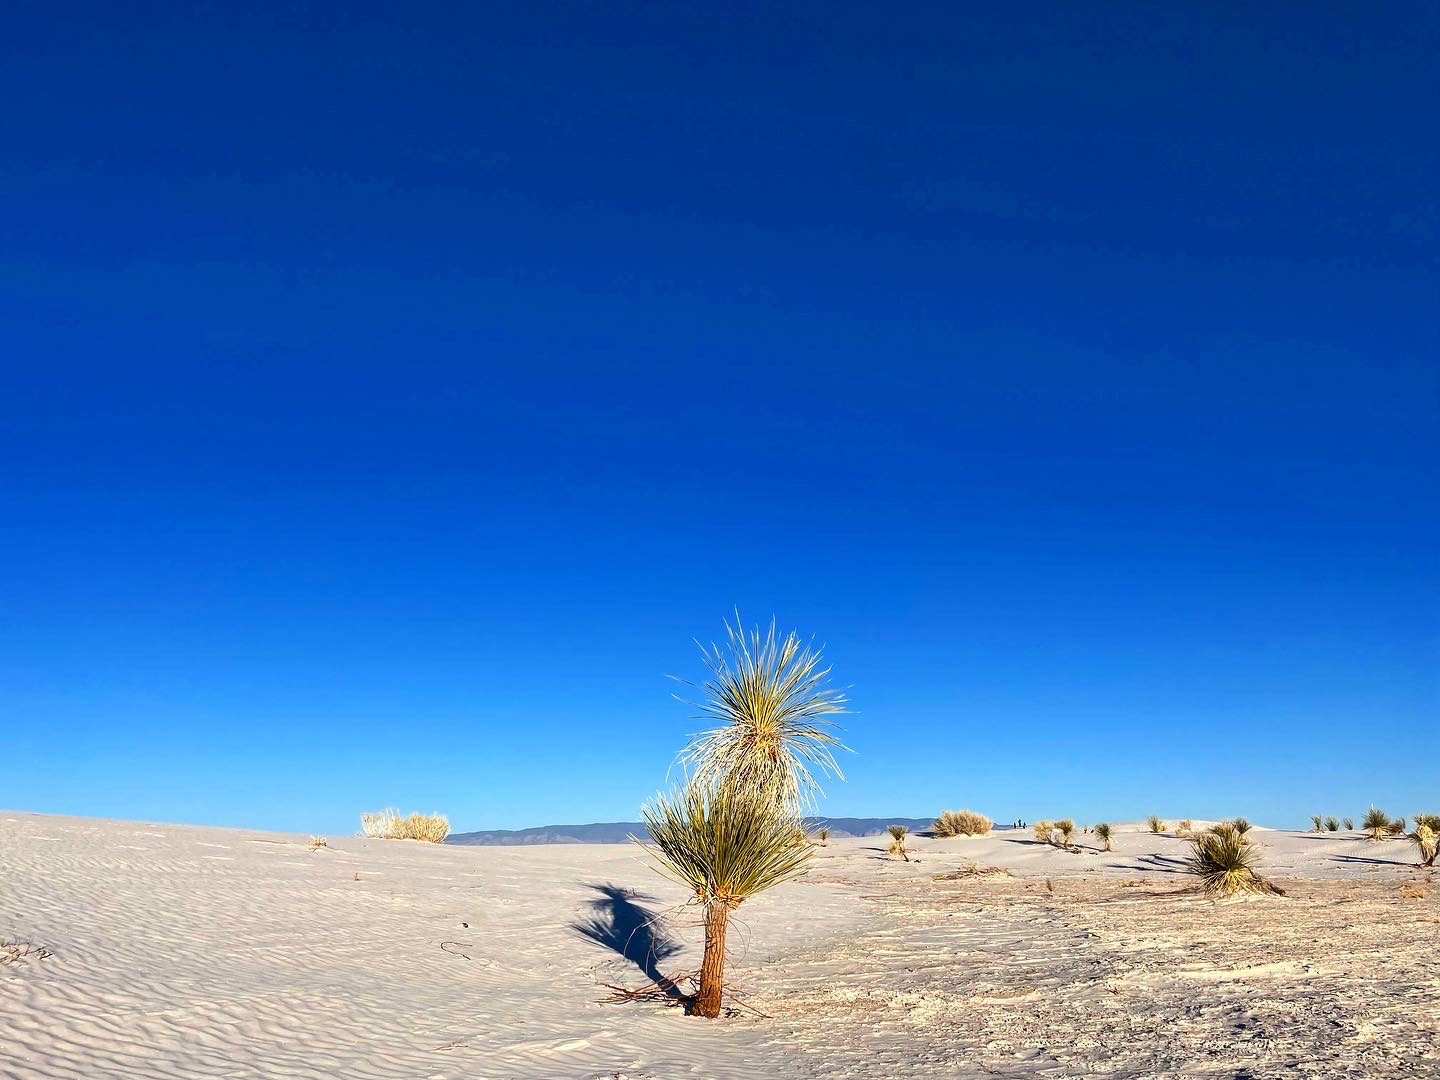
(1225, 860)
(770, 699)
(725, 847)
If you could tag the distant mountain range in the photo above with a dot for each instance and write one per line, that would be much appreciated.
(617, 832)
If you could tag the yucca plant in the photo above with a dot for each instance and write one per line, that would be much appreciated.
(823, 836)
(725, 847)
(1156, 825)
(1317, 823)
(1225, 860)
(1332, 824)
(1426, 838)
(1066, 828)
(1376, 823)
(1349, 824)
(898, 833)
(1104, 833)
(1185, 828)
(770, 699)
(1396, 827)
(1241, 825)
(1044, 832)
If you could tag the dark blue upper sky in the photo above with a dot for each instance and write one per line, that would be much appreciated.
(389, 395)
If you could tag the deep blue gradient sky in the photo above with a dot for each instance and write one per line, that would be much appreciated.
(389, 396)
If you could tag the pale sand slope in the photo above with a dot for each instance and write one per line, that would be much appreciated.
(198, 952)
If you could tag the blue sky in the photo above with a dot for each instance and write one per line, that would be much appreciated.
(390, 396)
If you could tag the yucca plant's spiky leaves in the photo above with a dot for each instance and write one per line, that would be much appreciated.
(769, 696)
(1375, 822)
(724, 846)
(1225, 861)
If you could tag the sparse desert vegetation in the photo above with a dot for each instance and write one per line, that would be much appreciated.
(1155, 823)
(1105, 835)
(1376, 823)
(1426, 837)
(390, 824)
(1225, 860)
(898, 834)
(951, 823)
(822, 836)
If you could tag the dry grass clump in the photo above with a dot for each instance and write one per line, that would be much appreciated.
(1044, 831)
(317, 842)
(961, 823)
(1225, 860)
(17, 952)
(974, 870)
(1104, 834)
(389, 825)
(822, 836)
(1156, 825)
(1185, 828)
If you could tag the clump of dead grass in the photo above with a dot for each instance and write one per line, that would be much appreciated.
(961, 823)
(317, 842)
(388, 824)
(1156, 825)
(18, 952)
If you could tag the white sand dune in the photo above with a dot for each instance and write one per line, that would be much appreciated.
(198, 952)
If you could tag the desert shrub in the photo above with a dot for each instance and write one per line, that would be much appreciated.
(1317, 823)
(1349, 824)
(389, 825)
(1430, 821)
(1225, 860)
(898, 833)
(823, 836)
(1104, 834)
(1156, 825)
(947, 824)
(1242, 825)
(1396, 827)
(1426, 838)
(1044, 831)
(1066, 828)
(1332, 824)
(317, 842)
(1376, 823)
(1185, 828)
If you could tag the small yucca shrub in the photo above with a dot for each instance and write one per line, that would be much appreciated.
(1426, 838)
(1104, 833)
(1349, 824)
(898, 833)
(1396, 827)
(1185, 828)
(1317, 823)
(1044, 832)
(1241, 825)
(1156, 825)
(823, 836)
(1376, 823)
(1066, 828)
(1332, 824)
(1225, 860)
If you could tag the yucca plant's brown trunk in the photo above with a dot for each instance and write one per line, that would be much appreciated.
(712, 965)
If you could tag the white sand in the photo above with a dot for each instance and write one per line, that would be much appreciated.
(199, 952)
